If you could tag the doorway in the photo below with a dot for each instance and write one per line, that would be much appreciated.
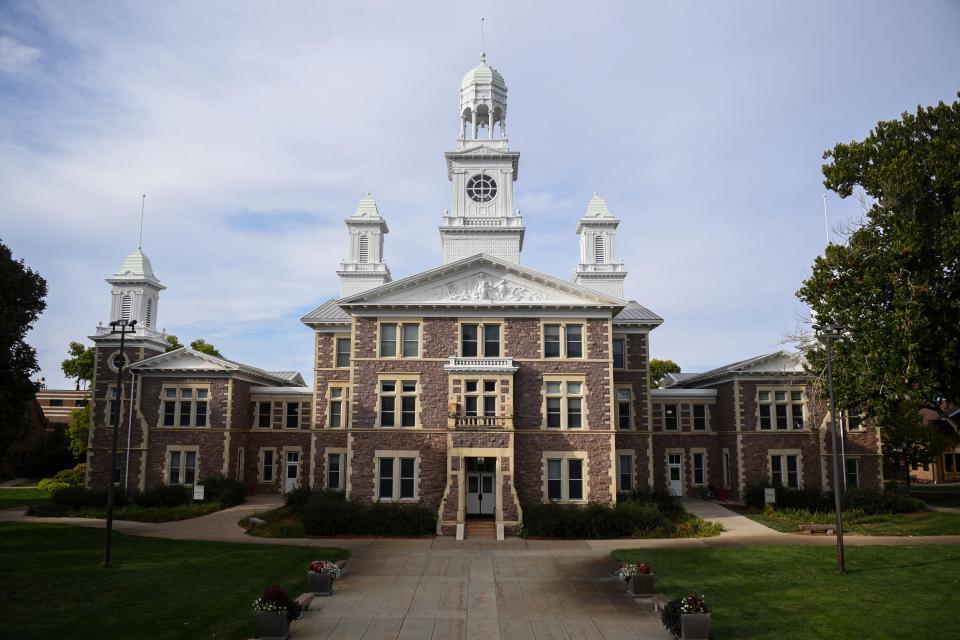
(481, 487)
(675, 473)
(292, 476)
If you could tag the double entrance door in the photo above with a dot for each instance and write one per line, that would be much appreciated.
(481, 487)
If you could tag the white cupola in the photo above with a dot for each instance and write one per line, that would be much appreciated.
(482, 171)
(136, 291)
(364, 267)
(599, 268)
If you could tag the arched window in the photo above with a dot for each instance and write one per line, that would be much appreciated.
(149, 311)
(598, 252)
(126, 305)
(364, 249)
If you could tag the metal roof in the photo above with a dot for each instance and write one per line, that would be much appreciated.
(329, 311)
(636, 312)
(750, 365)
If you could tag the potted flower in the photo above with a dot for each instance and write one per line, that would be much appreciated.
(321, 575)
(687, 618)
(274, 611)
(639, 579)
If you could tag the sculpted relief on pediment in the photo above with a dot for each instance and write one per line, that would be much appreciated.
(481, 287)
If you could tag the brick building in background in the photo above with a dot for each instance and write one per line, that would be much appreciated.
(473, 388)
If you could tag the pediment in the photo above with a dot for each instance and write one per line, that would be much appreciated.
(781, 362)
(482, 280)
(184, 360)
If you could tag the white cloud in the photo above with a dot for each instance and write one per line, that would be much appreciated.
(16, 57)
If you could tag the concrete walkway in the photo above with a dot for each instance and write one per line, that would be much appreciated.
(933, 507)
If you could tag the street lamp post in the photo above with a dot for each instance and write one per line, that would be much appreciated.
(828, 333)
(123, 327)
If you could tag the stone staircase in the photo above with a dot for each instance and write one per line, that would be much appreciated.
(480, 529)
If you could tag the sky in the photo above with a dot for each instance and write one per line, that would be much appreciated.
(254, 128)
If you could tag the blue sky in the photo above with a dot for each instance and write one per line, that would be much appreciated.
(254, 128)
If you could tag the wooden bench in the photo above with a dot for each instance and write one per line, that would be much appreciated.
(817, 528)
(660, 600)
(304, 600)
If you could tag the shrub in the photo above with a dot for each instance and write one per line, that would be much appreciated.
(812, 500)
(592, 521)
(226, 491)
(329, 515)
(668, 503)
(873, 502)
(71, 497)
(297, 499)
(73, 477)
(166, 495)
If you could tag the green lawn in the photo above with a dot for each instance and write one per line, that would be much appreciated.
(13, 497)
(775, 592)
(54, 586)
(924, 523)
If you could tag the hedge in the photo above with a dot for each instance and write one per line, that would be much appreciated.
(66, 478)
(815, 501)
(326, 514)
(668, 503)
(593, 521)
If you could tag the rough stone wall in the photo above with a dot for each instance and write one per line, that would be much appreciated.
(433, 462)
(638, 444)
(529, 448)
(636, 376)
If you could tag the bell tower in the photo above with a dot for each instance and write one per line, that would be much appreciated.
(364, 267)
(599, 268)
(482, 171)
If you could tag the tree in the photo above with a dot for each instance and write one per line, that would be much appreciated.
(894, 286)
(908, 441)
(173, 342)
(203, 346)
(659, 370)
(78, 431)
(22, 293)
(80, 364)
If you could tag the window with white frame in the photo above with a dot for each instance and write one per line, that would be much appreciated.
(114, 403)
(565, 479)
(398, 403)
(480, 397)
(480, 339)
(396, 478)
(343, 352)
(624, 408)
(182, 467)
(563, 402)
(563, 340)
(785, 470)
(619, 353)
(699, 468)
(670, 417)
(185, 406)
(625, 483)
(852, 473)
(399, 339)
(853, 419)
(780, 409)
(291, 415)
(335, 471)
(338, 407)
(264, 414)
(699, 417)
(268, 465)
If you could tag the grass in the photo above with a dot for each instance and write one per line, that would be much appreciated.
(937, 494)
(19, 497)
(923, 523)
(129, 512)
(54, 586)
(773, 592)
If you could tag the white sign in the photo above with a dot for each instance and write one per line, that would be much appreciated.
(198, 492)
(769, 496)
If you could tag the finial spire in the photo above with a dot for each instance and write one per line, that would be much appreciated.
(483, 44)
(143, 204)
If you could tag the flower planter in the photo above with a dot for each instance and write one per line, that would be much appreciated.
(273, 625)
(320, 584)
(640, 586)
(695, 626)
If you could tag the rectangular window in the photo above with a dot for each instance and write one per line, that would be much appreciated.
(169, 407)
(113, 404)
(699, 417)
(185, 407)
(776, 470)
(785, 471)
(574, 340)
(183, 467)
(853, 473)
(726, 469)
(264, 414)
(343, 352)
(575, 479)
(698, 469)
(564, 404)
(468, 341)
(334, 471)
(411, 340)
(386, 478)
(200, 409)
(292, 419)
(854, 419)
(625, 473)
(186, 397)
(551, 341)
(388, 398)
(397, 478)
(407, 478)
(623, 409)
(266, 473)
(948, 462)
(793, 475)
(780, 410)
(56, 402)
(491, 341)
(338, 411)
(388, 340)
(669, 417)
(619, 353)
(398, 403)
(554, 479)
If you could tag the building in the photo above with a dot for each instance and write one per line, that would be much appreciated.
(473, 388)
(58, 405)
(946, 466)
